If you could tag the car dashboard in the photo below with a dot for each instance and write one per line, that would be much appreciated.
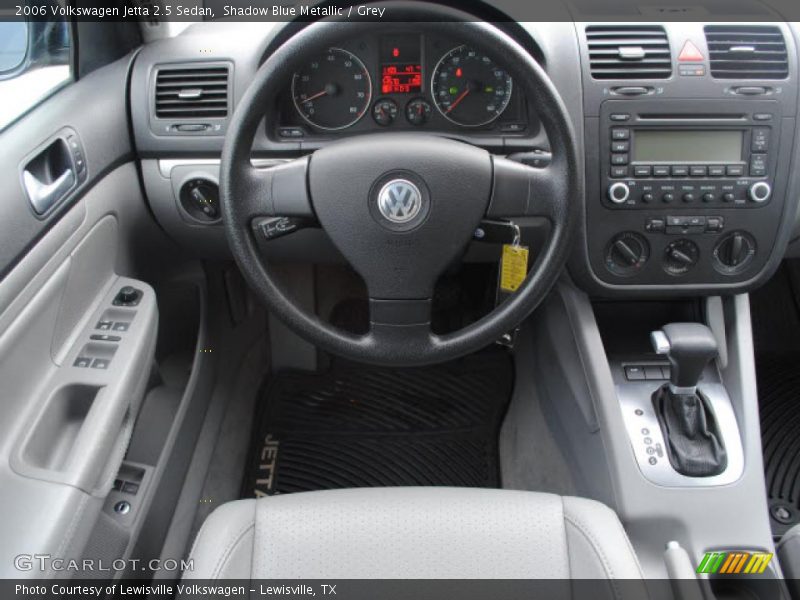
(686, 148)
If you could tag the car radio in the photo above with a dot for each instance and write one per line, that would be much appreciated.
(671, 160)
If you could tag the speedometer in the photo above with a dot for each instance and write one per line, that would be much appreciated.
(332, 91)
(469, 88)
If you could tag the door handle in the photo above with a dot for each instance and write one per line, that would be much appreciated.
(42, 196)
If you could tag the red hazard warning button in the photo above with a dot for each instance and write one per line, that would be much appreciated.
(690, 53)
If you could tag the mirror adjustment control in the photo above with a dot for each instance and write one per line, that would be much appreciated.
(619, 192)
(759, 192)
(127, 296)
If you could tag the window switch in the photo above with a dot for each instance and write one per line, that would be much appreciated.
(117, 485)
(100, 363)
(120, 326)
(104, 325)
(82, 362)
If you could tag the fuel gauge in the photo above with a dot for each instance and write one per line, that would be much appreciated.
(384, 112)
(418, 111)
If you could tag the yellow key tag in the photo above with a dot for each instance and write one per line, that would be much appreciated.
(513, 267)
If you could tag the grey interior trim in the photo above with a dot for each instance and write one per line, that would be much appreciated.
(636, 397)
(698, 518)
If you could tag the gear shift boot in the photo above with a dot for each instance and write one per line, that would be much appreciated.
(693, 440)
(692, 436)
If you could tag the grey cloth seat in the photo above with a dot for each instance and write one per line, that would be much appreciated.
(414, 533)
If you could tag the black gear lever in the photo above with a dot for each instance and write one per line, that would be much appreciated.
(694, 442)
(689, 347)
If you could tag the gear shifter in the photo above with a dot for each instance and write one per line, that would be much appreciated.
(693, 440)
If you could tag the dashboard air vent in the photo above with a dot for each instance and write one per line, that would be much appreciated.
(629, 52)
(746, 52)
(191, 92)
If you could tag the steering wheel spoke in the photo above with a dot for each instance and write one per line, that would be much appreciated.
(520, 190)
(408, 321)
(278, 191)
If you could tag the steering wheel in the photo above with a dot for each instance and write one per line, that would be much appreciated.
(401, 207)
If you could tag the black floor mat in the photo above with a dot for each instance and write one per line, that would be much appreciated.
(362, 426)
(776, 329)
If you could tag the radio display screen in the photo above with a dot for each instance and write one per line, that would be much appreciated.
(653, 146)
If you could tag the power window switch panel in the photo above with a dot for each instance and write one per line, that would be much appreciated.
(634, 373)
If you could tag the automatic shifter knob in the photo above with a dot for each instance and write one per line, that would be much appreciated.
(689, 348)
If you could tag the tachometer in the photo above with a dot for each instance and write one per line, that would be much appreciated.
(333, 91)
(469, 88)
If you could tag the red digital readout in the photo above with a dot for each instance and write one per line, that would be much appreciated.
(401, 79)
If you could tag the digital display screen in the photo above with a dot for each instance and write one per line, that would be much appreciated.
(401, 64)
(401, 79)
(654, 146)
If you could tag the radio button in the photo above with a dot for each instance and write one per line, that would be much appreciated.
(689, 197)
(758, 165)
(760, 141)
(647, 197)
(625, 117)
(655, 225)
(760, 192)
(620, 146)
(668, 197)
(660, 171)
(619, 134)
(716, 171)
(618, 192)
(641, 171)
(762, 117)
(728, 196)
(714, 224)
(619, 159)
(680, 171)
(735, 170)
(698, 171)
(617, 172)
(709, 197)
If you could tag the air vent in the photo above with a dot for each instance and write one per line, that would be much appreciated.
(192, 92)
(746, 52)
(629, 52)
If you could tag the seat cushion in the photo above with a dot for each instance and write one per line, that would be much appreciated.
(413, 533)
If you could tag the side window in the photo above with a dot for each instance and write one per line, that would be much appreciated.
(34, 61)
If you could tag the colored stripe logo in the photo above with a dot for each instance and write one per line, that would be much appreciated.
(734, 563)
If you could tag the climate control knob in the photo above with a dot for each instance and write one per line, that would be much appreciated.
(734, 252)
(759, 192)
(627, 253)
(619, 192)
(681, 256)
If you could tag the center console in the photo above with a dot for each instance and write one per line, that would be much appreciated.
(688, 178)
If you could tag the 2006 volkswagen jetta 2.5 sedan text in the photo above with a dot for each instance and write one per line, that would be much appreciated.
(402, 299)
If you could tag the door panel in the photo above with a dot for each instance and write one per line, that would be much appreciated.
(69, 393)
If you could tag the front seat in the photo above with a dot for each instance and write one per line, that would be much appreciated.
(420, 533)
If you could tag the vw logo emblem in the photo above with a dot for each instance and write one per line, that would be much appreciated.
(399, 201)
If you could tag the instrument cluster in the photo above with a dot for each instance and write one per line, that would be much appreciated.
(403, 81)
